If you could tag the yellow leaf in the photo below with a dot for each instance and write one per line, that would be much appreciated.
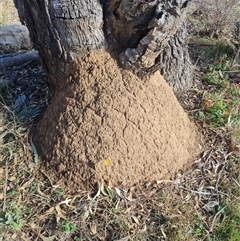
(108, 161)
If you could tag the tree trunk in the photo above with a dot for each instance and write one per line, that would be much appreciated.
(152, 36)
(147, 36)
(61, 31)
(177, 67)
(102, 113)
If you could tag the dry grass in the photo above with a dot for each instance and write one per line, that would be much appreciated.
(189, 207)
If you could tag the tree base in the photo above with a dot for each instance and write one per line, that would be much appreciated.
(110, 125)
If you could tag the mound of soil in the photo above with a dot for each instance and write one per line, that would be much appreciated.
(110, 125)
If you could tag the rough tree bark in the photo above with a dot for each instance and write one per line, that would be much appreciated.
(100, 111)
(147, 36)
(152, 36)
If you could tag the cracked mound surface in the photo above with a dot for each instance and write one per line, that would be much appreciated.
(111, 125)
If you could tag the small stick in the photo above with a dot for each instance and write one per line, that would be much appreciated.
(231, 72)
(5, 186)
(236, 182)
(210, 154)
(214, 219)
(218, 179)
(197, 192)
(74, 122)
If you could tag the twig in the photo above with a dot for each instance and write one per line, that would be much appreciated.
(197, 192)
(23, 65)
(195, 64)
(5, 186)
(218, 179)
(195, 110)
(206, 161)
(231, 72)
(236, 182)
(74, 122)
(47, 178)
(201, 44)
(214, 219)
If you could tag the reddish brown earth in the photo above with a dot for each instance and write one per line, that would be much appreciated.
(113, 126)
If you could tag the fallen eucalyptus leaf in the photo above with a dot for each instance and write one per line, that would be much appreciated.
(51, 238)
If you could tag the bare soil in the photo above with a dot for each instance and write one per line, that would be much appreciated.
(113, 126)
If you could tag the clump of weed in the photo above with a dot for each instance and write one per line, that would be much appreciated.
(12, 217)
(220, 110)
(68, 227)
(228, 226)
(220, 106)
